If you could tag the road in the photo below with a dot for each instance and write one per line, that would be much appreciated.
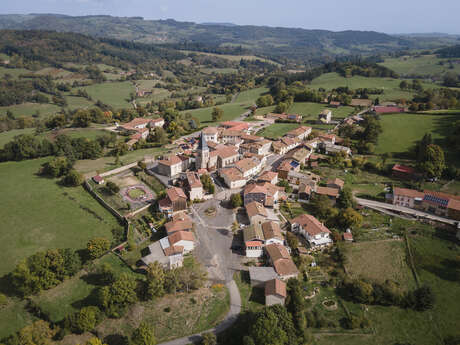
(416, 213)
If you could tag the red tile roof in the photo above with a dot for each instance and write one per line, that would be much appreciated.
(181, 236)
(327, 191)
(254, 208)
(310, 224)
(275, 287)
(175, 193)
(411, 193)
(403, 169)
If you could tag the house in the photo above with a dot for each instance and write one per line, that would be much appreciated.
(98, 179)
(441, 204)
(334, 104)
(331, 148)
(160, 122)
(194, 186)
(348, 236)
(170, 166)
(312, 229)
(179, 222)
(232, 177)
(256, 212)
(403, 171)
(249, 166)
(286, 167)
(184, 239)
(264, 193)
(235, 125)
(226, 155)
(327, 138)
(300, 133)
(275, 292)
(253, 238)
(261, 147)
(269, 176)
(210, 134)
(162, 252)
(299, 154)
(305, 177)
(231, 136)
(272, 233)
(260, 275)
(407, 197)
(336, 183)
(279, 257)
(135, 124)
(284, 117)
(284, 145)
(175, 201)
(304, 192)
(325, 116)
(331, 193)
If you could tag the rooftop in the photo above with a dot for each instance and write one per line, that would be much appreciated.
(254, 208)
(310, 224)
(275, 287)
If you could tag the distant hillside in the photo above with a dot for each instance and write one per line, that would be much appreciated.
(274, 42)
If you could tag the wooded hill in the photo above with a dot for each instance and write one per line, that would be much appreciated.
(283, 44)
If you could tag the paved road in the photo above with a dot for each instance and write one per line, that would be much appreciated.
(406, 210)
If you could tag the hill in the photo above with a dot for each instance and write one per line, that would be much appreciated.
(282, 43)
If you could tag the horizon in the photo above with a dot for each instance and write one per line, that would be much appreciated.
(334, 15)
(233, 23)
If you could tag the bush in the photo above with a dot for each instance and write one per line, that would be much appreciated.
(72, 179)
(85, 320)
(97, 247)
(3, 300)
(112, 188)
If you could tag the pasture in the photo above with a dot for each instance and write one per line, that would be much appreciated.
(390, 86)
(29, 109)
(115, 94)
(38, 214)
(402, 131)
(379, 261)
(7, 136)
(422, 65)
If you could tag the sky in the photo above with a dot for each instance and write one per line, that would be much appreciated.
(390, 16)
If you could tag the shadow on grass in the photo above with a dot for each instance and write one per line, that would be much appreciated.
(116, 339)
(257, 296)
(88, 301)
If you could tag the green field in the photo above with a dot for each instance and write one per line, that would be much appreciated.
(28, 109)
(391, 88)
(78, 102)
(115, 94)
(13, 317)
(38, 214)
(401, 131)
(423, 65)
(250, 96)
(9, 135)
(310, 110)
(277, 130)
(231, 111)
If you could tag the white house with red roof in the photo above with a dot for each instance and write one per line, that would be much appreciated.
(312, 229)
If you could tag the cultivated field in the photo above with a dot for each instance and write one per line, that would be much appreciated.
(38, 214)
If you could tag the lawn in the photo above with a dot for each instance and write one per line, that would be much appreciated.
(231, 111)
(277, 130)
(29, 109)
(115, 94)
(402, 131)
(423, 65)
(78, 102)
(38, 214)
(13, 317)
(250, 95)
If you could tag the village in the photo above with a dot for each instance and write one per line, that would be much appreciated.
(224, 189)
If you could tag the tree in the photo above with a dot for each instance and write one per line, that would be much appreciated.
(97, 247)
(95, 341)
(37, 333)
(434, 163)
(160, 136)
(115, 298)
(57, 167)
(349, 218)
(321, 205)
(106, 274)
(422, 146)
(236, 200)
(292, 240)
(155, 280)
(72, 179)
(217, 114)
(112, 187)
(85, 320)
(81, 118)
(208, 185)
(143, 335)
(346, 199)
(208, 339)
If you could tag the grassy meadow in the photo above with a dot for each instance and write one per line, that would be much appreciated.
(115, 94)
(422, 65)
(38, 214)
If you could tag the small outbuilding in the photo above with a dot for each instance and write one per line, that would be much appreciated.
(275, 292)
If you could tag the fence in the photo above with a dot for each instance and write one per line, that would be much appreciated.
(121, 218)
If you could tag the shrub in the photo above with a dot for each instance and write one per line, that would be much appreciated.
(97, 247)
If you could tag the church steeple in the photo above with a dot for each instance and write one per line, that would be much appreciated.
(202, 144)
(202, 157)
